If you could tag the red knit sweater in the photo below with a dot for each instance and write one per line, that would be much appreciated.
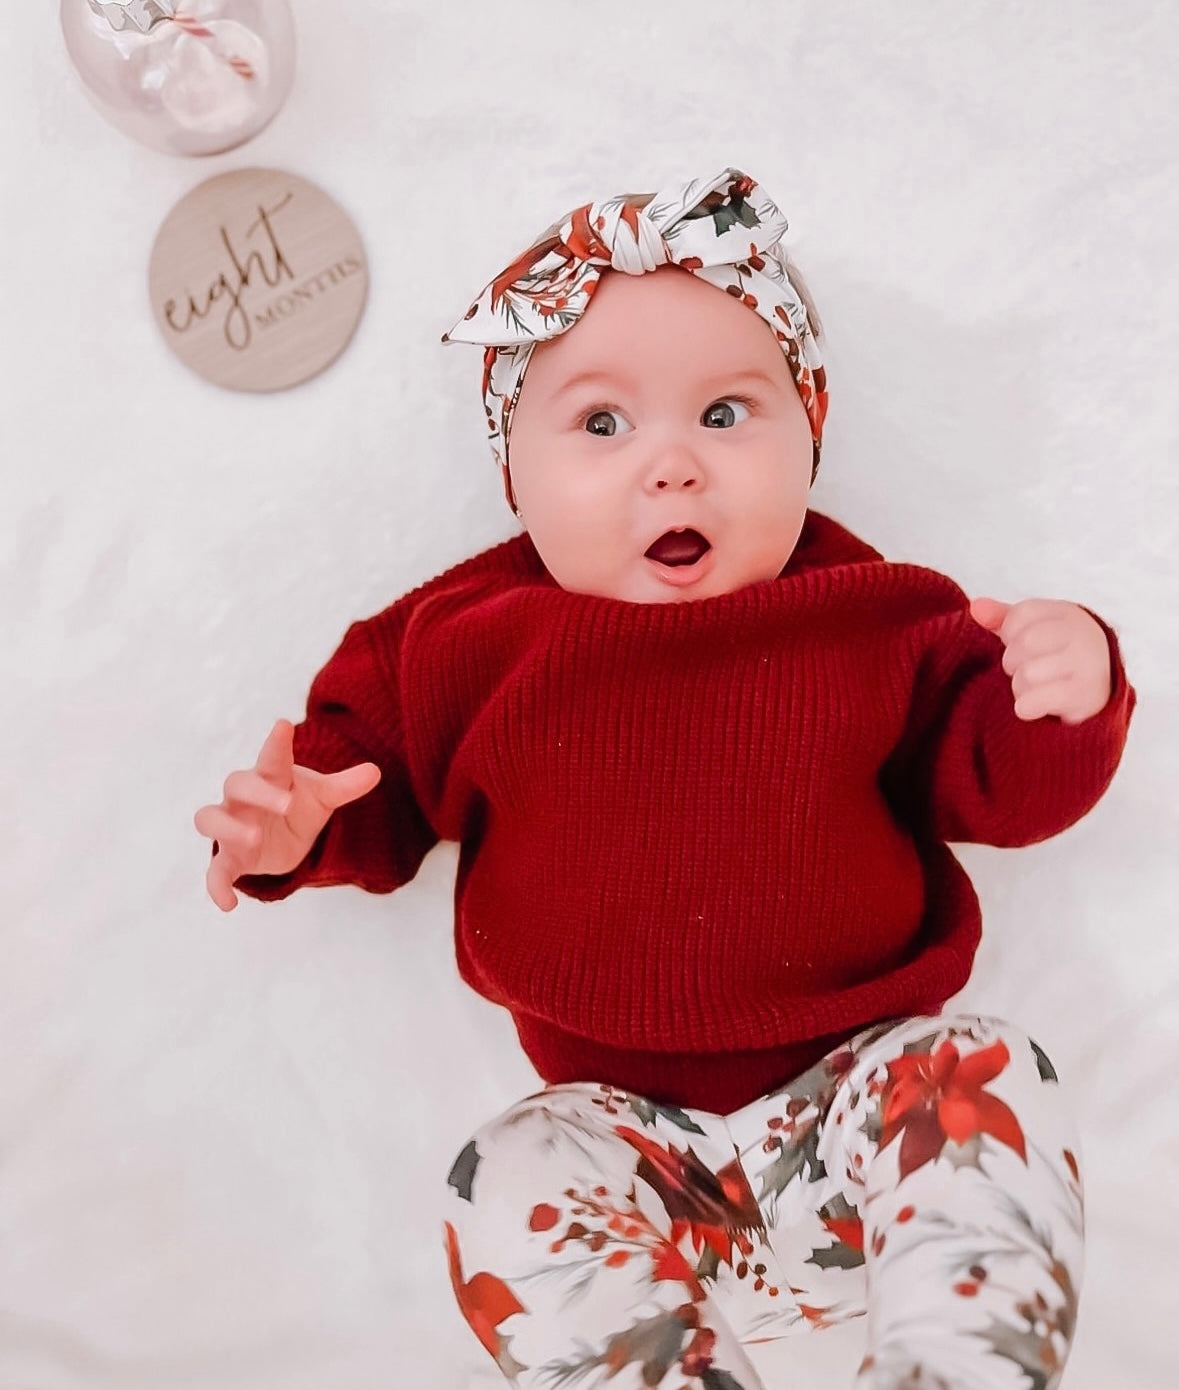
(701, 842)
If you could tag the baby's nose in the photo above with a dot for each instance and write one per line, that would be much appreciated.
(676, 468)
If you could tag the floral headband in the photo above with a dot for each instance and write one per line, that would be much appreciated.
(726, 230)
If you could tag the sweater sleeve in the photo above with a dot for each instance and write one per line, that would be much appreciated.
(968, 769)
(354, 715)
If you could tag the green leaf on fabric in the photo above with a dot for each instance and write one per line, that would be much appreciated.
(717, 1378)
(839, 1209)
(844, 1254)
(746, 214)
(921, 1046)
(1020, 1345)
(838, 1256)
(791, 1160)
(708, 1265)
(462, 1173)
(648, 1110)
(1046, 1069)
(817, 1084)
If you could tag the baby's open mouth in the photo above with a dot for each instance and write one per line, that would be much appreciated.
(678, 547)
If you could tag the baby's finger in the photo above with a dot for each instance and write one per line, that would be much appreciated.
(249, 788)
(215, 823)
(1045, 699)
(339, 788)
(1041, 670)
(217, 882)
(1040, 639)
(277, 756)
(1026, 614)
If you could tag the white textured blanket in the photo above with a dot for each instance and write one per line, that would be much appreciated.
(222, 1138)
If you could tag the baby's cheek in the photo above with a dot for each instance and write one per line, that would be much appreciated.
(578, 557)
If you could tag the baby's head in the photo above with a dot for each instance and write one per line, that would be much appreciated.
(663, 445)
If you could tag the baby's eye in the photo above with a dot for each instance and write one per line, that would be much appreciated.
(719, 415)
(602, 422)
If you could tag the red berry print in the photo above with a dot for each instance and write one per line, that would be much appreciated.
(543, 1218)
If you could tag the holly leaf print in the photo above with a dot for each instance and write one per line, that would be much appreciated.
(716, 1378)
(923, 1045)
(1043, 1065)
(838, 1256)
(746, 214)
(648, 1110)
(791, 1159)
(1033, 1354)
(843, 1221)
(708, 1265)
(462, 1173)
(817, 1085)
(873, 1125)
(738, 212)
(653, 1343)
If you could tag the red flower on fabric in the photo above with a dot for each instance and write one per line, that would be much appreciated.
(932, 1097)
(583, 240)
(485, 1302)
(717, 1209)
(848, 1230)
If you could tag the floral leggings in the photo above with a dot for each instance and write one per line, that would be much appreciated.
(923, 1174)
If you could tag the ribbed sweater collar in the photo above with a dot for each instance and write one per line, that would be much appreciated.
(824, 547)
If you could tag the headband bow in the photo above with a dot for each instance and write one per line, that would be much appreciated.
(725, 230)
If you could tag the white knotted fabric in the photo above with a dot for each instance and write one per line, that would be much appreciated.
(726, 230)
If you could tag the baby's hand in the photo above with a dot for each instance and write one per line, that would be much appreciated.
(272, 814)
(1056, 655)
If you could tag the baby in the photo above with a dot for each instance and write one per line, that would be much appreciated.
(702, 750)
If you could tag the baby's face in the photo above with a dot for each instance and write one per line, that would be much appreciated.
(668, 410)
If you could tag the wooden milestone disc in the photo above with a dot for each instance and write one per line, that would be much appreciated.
(257, 279)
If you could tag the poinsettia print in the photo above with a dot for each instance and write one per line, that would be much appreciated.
(935, 1097)
(485, 1301)
(926, 1170)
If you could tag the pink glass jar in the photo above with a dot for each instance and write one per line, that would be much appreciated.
(183, 76)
